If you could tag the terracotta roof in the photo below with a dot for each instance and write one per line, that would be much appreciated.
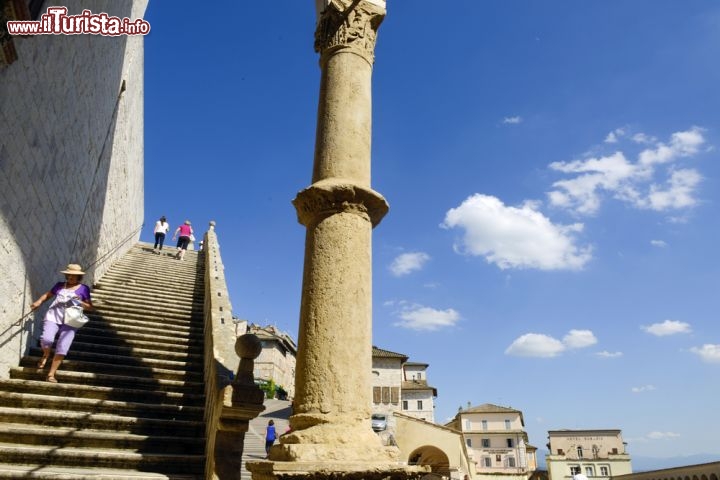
(490, 408)
(416, 364)
(272, 333)
(418, 385)
(380, 353)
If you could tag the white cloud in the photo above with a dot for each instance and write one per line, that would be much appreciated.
(642, 138)
(658, 243)
(579, 339)
(668, 327)
(418, 317)
(512, 120)
(644, 388)
(615, 135)
(545, 346)
(582, 193)
(617, 177)
(662, 435)
(682, 144)
(678, 193)
(606, 354)
(515, 237)
(408, 262)
(709, 353)
(535, 345)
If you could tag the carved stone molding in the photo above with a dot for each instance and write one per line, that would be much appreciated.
(322, 199)
(352, 28)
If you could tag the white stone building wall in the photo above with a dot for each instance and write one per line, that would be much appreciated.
(71, 162)
(427, 412)
(273, 364)
(387, 372)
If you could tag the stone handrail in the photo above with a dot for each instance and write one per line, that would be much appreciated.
(231, 396)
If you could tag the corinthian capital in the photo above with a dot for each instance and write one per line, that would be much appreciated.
(349, 25)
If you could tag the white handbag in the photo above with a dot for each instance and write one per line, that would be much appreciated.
(74, 317)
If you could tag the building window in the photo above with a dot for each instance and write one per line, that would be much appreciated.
(394, 395)
(507, 424)
(405, 404)
(580, 452)
(385, 394)
(604, 471)
(498, 458)
(561, 451)
(468, 441)
(419, 404)
(484, 424)
(419, 375)
(589, 471)
(511, 461)
(487, 462)
(377, 395)
(574, 470)
(486, 443)
(510, 442)
(468, 425)
(614, 451)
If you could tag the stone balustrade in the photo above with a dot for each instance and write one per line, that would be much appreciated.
(231, 396)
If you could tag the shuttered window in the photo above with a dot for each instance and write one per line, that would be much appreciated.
(376, 395)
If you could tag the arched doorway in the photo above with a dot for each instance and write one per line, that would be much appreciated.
(432, 456)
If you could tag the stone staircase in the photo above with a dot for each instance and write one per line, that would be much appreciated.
(130, 399)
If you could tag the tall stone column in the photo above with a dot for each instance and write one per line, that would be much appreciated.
(331, 433)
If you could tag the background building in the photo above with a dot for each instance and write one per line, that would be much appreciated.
(496, 442)
(417, 398)
(387, 377)
(277, 359)
(597, 454)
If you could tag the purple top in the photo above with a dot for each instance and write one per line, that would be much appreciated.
(83, 291)
(63, 297)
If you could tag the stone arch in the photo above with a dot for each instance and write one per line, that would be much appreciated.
(703, 477)
(713, 476)
(695, 477)
(432, 456)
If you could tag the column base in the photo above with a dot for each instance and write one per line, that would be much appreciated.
(329, 470)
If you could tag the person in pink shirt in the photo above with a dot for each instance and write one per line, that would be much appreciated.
(183, 234)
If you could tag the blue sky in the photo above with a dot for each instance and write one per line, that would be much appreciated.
(552, 173)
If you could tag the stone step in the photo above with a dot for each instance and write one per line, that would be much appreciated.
(43, 471)
(73, 437)
(170, 300)
(160, 266)
(129, 351)
(120, 283)
(193, 371)
(143, 323)
(126, 394)
(103, 333)
(179, 463)
(134, 342)
(168, 291)
(113, 381)
(74, 364)
(146, 312)
(48, 418)
(152, 410)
